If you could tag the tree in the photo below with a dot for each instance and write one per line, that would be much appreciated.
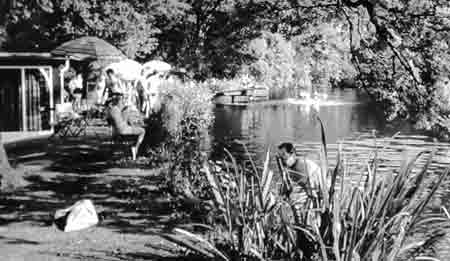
(403, 54)
(398, 47)
(203, 36)
(10, 178)
(324, 48)
(206, 36)
(274, 62)
(42, 25)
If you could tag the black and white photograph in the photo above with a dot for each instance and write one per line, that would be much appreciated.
(253, 130)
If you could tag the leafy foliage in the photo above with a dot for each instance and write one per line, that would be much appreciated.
(274, 60)
(118, 21)
(401, 54)
(185, 116)
(324, 48)
(202, 36)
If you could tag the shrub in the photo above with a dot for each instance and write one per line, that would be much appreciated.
(184, 117)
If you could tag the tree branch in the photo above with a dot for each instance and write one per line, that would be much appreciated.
(385, 34)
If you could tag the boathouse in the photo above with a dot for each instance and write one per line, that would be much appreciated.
(29, 89)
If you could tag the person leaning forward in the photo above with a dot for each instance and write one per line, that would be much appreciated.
(303, 171)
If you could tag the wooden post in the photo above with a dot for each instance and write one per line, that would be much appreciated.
(52, 106)
(24, 101)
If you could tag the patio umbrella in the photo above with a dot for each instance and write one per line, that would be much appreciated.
(128, 70)
(89, 47)
(155, 66)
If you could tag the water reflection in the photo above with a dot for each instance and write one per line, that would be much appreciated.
(268, 124)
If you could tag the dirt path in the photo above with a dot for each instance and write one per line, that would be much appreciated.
(132, 206)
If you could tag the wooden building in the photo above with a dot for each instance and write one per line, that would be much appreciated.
(29, 90)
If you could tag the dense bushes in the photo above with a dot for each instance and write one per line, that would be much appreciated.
(181, 126)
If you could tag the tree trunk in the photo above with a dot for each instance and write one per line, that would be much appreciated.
(4, 163)
(10, 178)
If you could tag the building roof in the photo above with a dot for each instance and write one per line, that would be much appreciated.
(35, 56)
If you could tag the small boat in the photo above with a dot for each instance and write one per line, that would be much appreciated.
(241, 97)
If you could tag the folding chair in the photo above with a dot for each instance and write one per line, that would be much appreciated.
(68, 123)
(120, 140)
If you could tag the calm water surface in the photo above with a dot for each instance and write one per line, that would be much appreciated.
(261, 125)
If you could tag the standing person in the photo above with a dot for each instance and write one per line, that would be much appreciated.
(76, 88)
(120, 123)
(308, 172)
(113, 84)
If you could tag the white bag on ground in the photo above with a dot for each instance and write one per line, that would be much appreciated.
(79, 216)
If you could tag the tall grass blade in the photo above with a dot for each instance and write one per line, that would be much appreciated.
(446, 212)
(323, 247)
(418, 211)
(203, 241)
(426, 258)
(215, 187)
(189, 245)
(417, 180)
(266, 177)
(324, 167)
(335, 173)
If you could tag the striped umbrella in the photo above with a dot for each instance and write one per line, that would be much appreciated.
(89, 47)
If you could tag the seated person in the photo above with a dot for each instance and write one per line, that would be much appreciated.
(121, 125)
(307, 172)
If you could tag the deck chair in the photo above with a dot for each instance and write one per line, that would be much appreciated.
(68, 123)
(120, 140)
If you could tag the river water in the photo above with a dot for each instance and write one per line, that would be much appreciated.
(345, 113)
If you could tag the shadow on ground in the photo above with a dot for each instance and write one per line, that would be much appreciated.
(128, 194)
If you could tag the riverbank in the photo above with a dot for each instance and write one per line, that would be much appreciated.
(135, 211)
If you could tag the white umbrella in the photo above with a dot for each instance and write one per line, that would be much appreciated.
(127, 70)
(155, 66)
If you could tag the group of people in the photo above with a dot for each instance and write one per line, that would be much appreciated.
(140, 93)
(117, 99)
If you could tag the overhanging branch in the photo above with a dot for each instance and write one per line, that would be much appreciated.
(386, 34)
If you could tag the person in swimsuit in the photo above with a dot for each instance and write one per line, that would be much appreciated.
(113, 84)
(121, 125)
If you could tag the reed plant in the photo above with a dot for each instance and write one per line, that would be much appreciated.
(372, 219)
